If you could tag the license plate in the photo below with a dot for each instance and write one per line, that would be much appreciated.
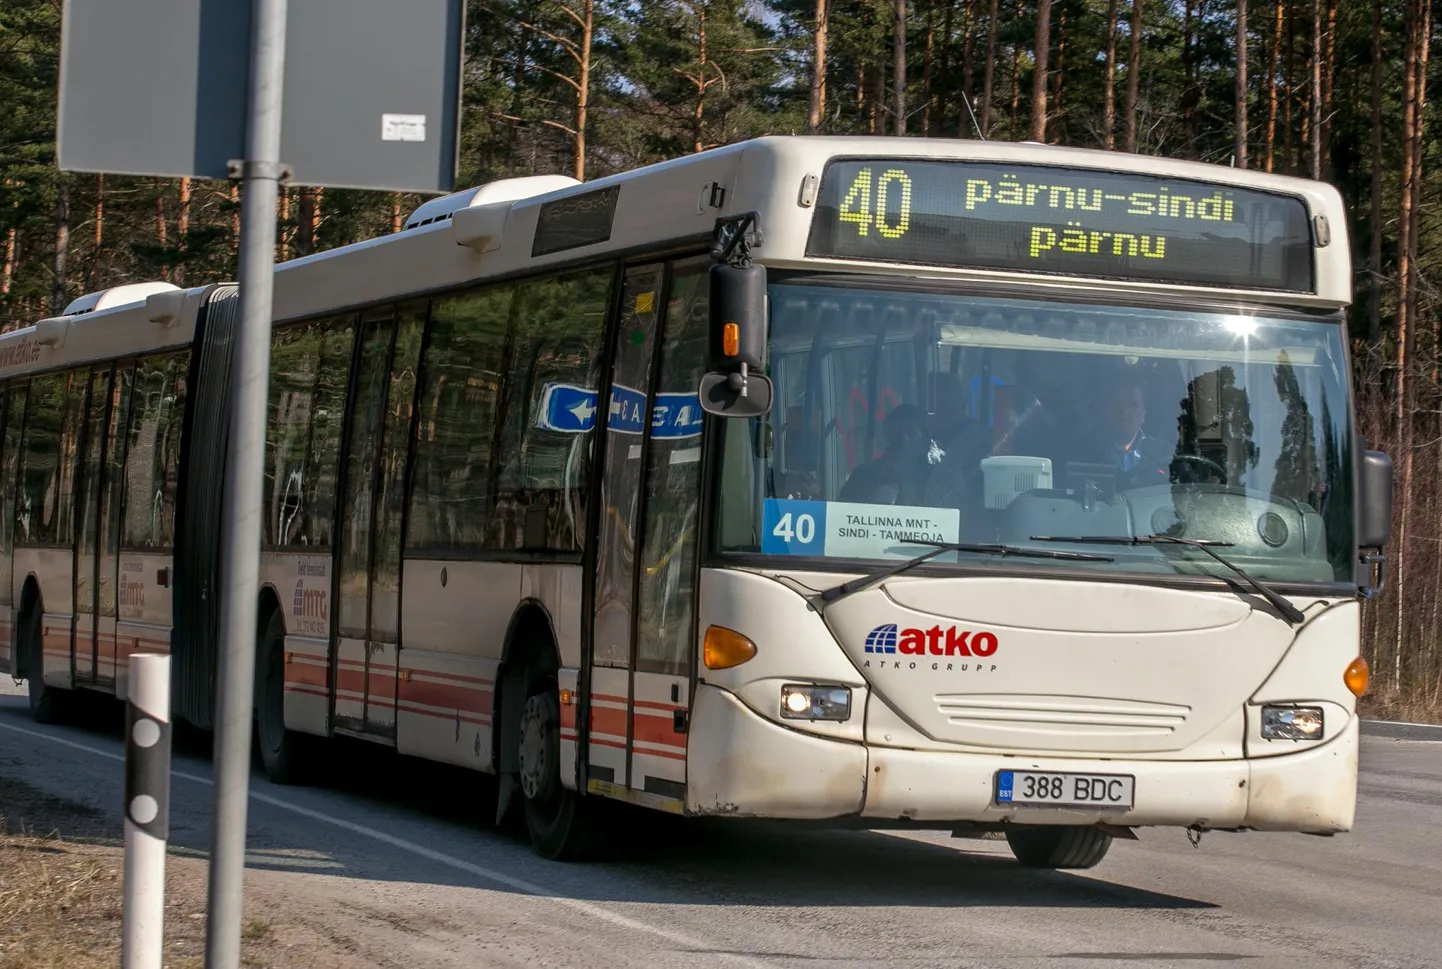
(1064, 790)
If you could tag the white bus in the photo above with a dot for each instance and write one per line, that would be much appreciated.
(894, 482)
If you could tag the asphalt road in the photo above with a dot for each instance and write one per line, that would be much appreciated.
(407, 855)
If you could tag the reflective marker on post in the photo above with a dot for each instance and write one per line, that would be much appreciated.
(147, 809)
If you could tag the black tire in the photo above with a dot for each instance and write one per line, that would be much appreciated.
(562, 823)
(283, 753)
(1058, 846)
(47, 703)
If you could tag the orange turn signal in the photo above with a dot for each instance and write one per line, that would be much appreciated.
(1357, 676)
(725, 648)
(731, 339)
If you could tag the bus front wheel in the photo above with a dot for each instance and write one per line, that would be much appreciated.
(561, 822)
(1058, 846)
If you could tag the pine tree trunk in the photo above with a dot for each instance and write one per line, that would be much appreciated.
(160, 229)
(1289, 81)
(898, 70)
(817, 109)
(1316, 97)
(1015, 86)
(235, 216)
(1418, 157)
(698, 117)
(928, 92)
(58, 285)
(99, 213)
(396, 223)
(878, 99)
(182, 226)
(1039, 76)
(1109, 81)
(1404, 332)
(1374, 261)
(282, 234)
(7, 270)
(1189, 79)
(988, 72)
(1059, 72)
(1134, 77)
(583, 82)
(1329, 71)
(1273, 62)
(1241, 146)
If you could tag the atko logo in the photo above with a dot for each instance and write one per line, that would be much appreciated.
(309, 603)
(935, 641)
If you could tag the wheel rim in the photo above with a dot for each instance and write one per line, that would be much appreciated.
(539, 732)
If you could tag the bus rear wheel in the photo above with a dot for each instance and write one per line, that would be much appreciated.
(561, 822)
(282, 751)
(1058, 846)
(47, 703)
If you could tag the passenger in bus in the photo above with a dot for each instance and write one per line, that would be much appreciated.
(898, 477)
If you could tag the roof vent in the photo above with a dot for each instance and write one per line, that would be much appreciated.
(505, 190)
(116, 296)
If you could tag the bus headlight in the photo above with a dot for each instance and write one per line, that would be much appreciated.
(800, 702)
(1291, 723)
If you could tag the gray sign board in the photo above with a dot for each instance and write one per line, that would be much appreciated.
(158, 87)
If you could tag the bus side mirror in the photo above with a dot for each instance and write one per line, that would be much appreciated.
(736, 343)
(1374, 509)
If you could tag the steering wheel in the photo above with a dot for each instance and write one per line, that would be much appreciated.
(1207, 463)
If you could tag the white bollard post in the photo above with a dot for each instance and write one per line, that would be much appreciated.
(147, 809)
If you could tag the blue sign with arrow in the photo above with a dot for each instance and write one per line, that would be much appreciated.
(571, 409)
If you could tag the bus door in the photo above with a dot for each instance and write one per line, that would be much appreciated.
(85, 642)
(643, 636)
(368, 555)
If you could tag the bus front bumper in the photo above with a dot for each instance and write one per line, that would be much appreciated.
(741, 764)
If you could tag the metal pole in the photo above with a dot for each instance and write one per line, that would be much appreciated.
(147, 810)
(240, 537)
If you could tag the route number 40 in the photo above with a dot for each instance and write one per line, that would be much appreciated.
(804, 532)
(857, 206)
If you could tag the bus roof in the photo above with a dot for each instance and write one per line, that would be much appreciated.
(515, 226)
(678, 202)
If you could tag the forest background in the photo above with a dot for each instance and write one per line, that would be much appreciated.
(1331, 89)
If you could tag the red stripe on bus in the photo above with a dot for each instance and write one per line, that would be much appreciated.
(446, 695)
(657, 730)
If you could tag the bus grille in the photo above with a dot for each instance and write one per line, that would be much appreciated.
(1071, 715)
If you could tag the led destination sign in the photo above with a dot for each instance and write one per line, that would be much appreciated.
(1069, 221)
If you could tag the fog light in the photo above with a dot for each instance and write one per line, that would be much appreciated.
(815, 702)
(1291, 723)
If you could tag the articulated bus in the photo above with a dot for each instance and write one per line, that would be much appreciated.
(994, 488)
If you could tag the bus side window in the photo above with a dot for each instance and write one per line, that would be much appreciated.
(461, 372)
(294, 359)
(39, 471)
(559, 342)
(328, 412)
(153, 452)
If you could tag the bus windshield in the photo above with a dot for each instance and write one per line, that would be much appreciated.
(903, 417)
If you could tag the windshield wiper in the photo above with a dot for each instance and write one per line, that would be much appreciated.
(937, 548)
(1289, 612)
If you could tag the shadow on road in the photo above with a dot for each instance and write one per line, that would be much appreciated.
(655, 858)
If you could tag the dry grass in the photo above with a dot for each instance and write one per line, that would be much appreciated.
(61, 903)
(1394, 706)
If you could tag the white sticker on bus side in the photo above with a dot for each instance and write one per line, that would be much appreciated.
(851, 529)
